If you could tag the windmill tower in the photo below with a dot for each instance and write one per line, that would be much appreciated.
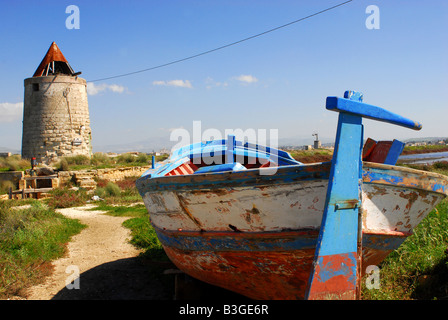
(56, 120)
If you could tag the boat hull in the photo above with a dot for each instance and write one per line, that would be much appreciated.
(256, 234)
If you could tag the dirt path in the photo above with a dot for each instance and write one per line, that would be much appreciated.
(107, 264)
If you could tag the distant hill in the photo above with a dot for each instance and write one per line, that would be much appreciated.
(146, 146)
(156, 144)
(427, 139)
(12, 150)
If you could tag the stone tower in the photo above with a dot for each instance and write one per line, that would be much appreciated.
(56, 119)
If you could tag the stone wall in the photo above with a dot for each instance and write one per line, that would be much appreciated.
(87, 178)
(56, 120)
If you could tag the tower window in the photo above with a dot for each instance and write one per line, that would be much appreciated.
(35, 87)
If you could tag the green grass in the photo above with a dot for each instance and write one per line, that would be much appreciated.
(101, 161)
(121, 192)
(313, 155)
(418, 269)
(29, 240)
(424, 149)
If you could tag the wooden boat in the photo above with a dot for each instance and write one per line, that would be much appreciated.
(250, 219)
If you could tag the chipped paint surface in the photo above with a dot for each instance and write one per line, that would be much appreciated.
(256, 234)
(260, 265)
(333, 273)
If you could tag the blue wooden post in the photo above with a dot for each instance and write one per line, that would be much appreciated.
(153, 162)
(336, 265)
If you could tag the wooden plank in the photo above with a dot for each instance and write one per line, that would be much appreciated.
(368, 148)
(369, 111)
(31, 190)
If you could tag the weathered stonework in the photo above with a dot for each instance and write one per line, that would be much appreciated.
(86, 178)
(56, 120)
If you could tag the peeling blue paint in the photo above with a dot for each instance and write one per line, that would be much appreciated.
(261, 241)
(382, 242)
(233, 241)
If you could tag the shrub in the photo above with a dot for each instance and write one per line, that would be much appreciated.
(100, 158)
(5, 185)
(112, 189)
(101, 183)
(441, 165)
(63, 165)
(127, 183)
(100, 192)
(78, 160)
(66, 162)
(125, 158)
(142, 158)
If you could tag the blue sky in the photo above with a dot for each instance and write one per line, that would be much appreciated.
(276, 81)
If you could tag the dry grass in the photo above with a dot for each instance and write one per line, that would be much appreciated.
(14, 163)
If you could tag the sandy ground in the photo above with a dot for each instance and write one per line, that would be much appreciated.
(105, 262)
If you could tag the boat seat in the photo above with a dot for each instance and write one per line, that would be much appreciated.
(234, 166)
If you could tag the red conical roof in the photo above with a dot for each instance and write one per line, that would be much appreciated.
(54, 62)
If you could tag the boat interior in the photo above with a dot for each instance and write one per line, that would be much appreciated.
(232, 155)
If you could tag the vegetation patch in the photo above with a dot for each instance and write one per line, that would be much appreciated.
(67, 198)
(101, 160)
(118, 192)
(440, 167)
(424, 149)
(312, 156)
(30, 238)
(418, 269)
(14, 163)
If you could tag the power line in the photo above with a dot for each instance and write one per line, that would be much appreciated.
(224, 46)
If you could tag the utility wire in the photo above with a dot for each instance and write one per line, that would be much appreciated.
(224, 46)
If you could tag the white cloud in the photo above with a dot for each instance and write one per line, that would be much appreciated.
(173, 83)
(116, 88)
(93, 89)
(246, 78)
(210, 83)
(10, 112)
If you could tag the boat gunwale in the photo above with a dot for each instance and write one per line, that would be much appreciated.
(423, 180)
